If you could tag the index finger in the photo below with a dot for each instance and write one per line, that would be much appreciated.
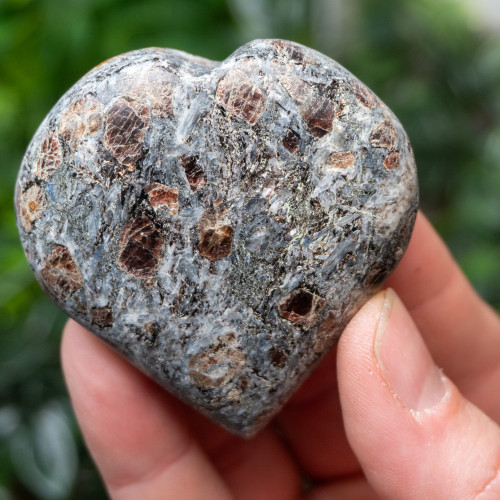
(141, 447)
(460, 329)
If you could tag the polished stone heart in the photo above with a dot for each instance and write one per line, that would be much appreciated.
(218, 223)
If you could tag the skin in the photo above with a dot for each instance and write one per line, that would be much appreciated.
(377, 418)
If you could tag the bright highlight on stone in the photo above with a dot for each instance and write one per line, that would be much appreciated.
(218, 223)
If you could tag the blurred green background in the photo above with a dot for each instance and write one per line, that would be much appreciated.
(428, 61)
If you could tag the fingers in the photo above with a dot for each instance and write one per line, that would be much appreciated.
(258, 468)
(462, 332)
(412, 431)
(135, 438)
(255, 468)
(355, 488)
(312, 425)
(140, 436)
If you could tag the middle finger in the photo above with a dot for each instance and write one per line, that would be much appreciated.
(311, 423)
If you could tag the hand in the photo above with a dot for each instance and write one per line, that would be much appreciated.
(377, 419)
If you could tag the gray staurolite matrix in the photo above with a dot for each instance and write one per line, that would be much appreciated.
(218, 223)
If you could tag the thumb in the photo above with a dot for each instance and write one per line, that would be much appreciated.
(412, 431)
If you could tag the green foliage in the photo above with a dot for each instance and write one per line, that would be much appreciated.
(439, 75)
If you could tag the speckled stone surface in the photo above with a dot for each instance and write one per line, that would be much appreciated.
(218, 223)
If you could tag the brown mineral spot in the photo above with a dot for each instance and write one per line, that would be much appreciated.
(250, 66)
(214, 216)
(127, 122)
(140, 248)
(219, 364)
(392, 160)
(82, 119)
(293, 52)
(240, 97)
(278, 357)
(102, 316)
(215, 243)
(155, 86)
(318, 112)
(31, 205)
(301, 306)
(300, 91)
(61, 275)
(319, 116)
(49, 156)
(194, 173)
(325, 336)
(341, 159)
(160, 90)
(161, 196)
(297, 304)
(291, 141)
(364, 95)
(384, 136)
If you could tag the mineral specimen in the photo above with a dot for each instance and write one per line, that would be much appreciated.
(218, 223)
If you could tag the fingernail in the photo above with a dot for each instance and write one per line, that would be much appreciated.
(404, 360)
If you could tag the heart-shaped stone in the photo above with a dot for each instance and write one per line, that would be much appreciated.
(218, 223)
